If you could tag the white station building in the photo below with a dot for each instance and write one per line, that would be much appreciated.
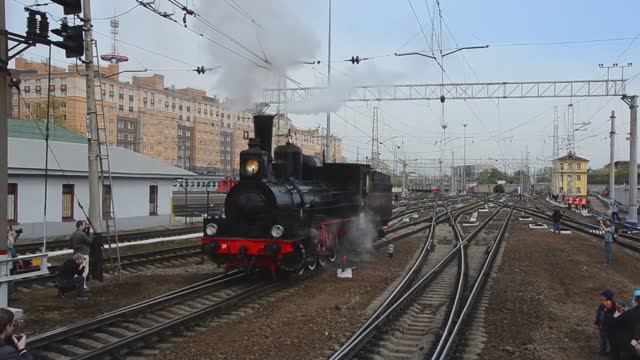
(141, 187)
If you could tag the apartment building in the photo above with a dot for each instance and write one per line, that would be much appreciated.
(183, 127)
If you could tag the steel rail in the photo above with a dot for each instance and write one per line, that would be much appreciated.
(179, 321)
(58, 334)
(457, 297)
(61, 244)
(479, 283)
(584, 228)
(389, 306)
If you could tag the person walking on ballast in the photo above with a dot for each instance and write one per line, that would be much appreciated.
(615, 215)
(81, 243)
(556, 217)
(609, 237)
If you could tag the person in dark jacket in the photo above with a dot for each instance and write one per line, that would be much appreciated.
(70, 277)
(556, 217)
(627, 328)
(604, 316)
(11, 347)
(81, 244)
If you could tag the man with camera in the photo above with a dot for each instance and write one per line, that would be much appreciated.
(81, 244)
(11, 346)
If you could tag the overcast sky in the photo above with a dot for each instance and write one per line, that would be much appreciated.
(288, 31)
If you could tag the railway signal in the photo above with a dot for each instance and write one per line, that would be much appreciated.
(72, 39)
(70, 7)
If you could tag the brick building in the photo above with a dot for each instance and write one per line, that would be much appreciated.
(183, 127)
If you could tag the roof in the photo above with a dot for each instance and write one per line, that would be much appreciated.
(572, 157)
(28, 129)
(26, 156)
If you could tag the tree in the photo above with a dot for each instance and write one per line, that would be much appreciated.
(56, 111)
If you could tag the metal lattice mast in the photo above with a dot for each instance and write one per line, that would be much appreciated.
(375, 146)
(571, 146)
(556, 153)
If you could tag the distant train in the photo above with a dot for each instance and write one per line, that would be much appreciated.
(212, 184)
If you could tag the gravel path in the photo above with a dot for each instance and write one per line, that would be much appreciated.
(546, 291)
(309, 323)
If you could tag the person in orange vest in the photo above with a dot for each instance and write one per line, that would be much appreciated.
(576, 202)
(569, 202)
(584, 203)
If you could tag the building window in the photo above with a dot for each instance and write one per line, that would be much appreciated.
(67, 202)
(130, 98)
(27, 89)
(245, 135)
(210, 112)
(106, 202)
(12, 204)
(578, 190)
(578, 166)
(578, 177)
(188, 108)
(153, 199)
(121, 96)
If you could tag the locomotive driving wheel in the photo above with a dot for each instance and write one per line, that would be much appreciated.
(329, 250)
(311, 262)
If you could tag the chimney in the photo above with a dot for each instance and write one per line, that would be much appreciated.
(263, 131)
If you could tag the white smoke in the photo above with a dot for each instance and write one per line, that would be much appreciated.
(277, 36)
(343, 83)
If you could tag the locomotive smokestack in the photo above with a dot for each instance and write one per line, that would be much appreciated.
(263, 131)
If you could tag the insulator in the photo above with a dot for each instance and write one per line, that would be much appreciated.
(32, 25)
(442, 98)
(43, 27)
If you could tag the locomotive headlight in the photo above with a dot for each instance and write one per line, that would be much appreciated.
(277, 231)
(211, 229)
(250, 167)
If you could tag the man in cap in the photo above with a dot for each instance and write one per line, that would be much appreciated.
(604, 316)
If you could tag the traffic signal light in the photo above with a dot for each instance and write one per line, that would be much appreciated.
(70, 7)
(72, 40)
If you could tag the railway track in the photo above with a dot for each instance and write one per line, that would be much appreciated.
(61, 244)
(128, 330)
(426, 319)
(121, 332)
(130, 263)
(628, 241)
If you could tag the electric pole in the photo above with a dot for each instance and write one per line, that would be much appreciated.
(327, 150)
(632, 102)
(92, 123)
(555, 164)
(464, 159)
(612, 171)
(4, 139)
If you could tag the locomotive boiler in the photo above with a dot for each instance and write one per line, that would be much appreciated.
(290, 212)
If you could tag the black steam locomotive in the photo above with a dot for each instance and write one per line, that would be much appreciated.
(292, 212)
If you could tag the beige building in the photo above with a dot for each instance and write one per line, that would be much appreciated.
(183, 127)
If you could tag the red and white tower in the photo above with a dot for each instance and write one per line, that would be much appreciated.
(114, 58)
